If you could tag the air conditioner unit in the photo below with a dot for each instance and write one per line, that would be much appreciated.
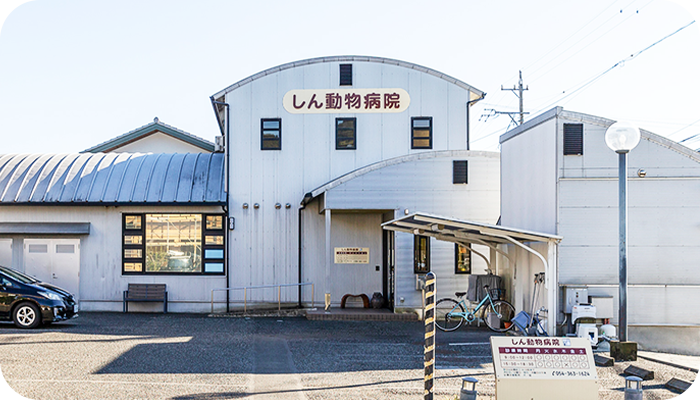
(219, 144)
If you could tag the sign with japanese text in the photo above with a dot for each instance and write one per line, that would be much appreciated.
(544, 367)
(352, 255)
(346, 101)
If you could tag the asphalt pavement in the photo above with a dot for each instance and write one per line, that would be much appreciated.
(195, 357)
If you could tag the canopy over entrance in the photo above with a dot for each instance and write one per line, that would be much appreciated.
(498, 239)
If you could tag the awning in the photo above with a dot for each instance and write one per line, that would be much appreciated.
(45, 228)
(459, 231)
(464, 232)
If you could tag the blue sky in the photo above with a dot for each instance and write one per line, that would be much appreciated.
(76, 73)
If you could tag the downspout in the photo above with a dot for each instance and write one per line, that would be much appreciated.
(469, 104)
(226, 134)
(299, 233)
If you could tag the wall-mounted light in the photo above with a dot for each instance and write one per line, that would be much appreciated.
(287, 206)
(256, 206)
(405, 211)
(641, 173)
(245, 206)
(278, 206)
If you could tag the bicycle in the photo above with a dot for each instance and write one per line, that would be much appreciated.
(450, 314)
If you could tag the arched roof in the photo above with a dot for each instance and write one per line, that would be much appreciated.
(393, 161)
(329, 59)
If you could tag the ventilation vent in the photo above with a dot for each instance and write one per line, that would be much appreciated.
(573, 139)
(460, 171)
(345, 74)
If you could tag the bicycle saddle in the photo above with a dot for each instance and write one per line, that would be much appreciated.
(460, 294)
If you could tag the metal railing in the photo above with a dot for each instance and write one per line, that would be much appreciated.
(279, 293)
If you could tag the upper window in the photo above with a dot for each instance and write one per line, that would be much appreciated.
(463, 259)
(421, 254)
(173, 244)
(460, 171)
(573, 139)
(421, 132)
(345, 134)
(345, 74)
(271, 134)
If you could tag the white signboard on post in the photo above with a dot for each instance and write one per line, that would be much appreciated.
(544, 368)
(352, 255)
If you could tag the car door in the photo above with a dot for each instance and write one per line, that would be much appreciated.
(8, 293)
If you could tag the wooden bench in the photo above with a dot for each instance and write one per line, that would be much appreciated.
(146, 292)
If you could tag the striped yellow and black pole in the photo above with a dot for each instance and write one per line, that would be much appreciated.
(429, 317)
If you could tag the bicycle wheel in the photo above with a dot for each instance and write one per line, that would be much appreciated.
(498, 318)
(444, 319)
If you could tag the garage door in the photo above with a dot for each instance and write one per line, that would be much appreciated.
(55, 261)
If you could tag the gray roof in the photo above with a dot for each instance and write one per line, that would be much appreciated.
(112, 179)
(147, 130)
(381, 60)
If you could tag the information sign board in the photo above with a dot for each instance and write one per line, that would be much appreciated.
(542, 368)
(352, 255)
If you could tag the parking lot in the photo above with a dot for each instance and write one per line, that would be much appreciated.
(192, 357)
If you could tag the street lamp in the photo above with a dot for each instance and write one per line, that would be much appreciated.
(622, 137)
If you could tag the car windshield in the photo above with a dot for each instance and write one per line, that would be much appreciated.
(18, 276)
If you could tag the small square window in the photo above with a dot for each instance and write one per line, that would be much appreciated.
(271, 134)
(421, 132)
(345, 74)
(421, 254)
(132, 222)
(213, 240)
(463, 259)
(214, 222)
(345, 134)
(460, 171)
(573, 139)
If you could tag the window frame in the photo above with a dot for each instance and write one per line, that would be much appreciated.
(430, 133)
(416, 251)
(354, 133)
(262, 133)
(142, 246)
(469, 253)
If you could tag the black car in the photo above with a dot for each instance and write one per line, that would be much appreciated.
(29, 302)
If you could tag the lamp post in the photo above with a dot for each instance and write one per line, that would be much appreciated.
(622, 137)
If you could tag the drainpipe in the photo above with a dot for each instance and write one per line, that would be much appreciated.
(227, 142)
(299, 233)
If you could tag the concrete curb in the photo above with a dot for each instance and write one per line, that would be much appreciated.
(668, 363)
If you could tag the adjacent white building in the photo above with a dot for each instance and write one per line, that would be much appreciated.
(559, 177)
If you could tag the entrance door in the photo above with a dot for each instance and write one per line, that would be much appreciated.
(388, 276)
(54, 261)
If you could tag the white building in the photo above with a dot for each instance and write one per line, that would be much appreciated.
(559, 177)
(342, 144)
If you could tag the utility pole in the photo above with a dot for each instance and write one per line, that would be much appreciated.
(518, 91)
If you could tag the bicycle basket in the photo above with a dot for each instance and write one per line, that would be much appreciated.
(497, 294)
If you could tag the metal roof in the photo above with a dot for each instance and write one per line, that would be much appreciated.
(112, 178)
(147, 130)
(382, 60)
(459, 231)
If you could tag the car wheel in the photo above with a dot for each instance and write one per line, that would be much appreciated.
(26, 316)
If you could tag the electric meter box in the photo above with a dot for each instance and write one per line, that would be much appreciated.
(575, 296)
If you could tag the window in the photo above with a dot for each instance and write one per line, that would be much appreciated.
(271, 134)
(173, 244)
(421, 254)
(460, 171)
(345, 134)
(463, 259)
(573, 139)
(345, 74)
(421, 132)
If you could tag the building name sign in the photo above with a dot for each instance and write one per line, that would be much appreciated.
(352, 255)
(351, 101)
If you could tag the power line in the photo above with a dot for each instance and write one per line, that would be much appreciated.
(619, 63)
